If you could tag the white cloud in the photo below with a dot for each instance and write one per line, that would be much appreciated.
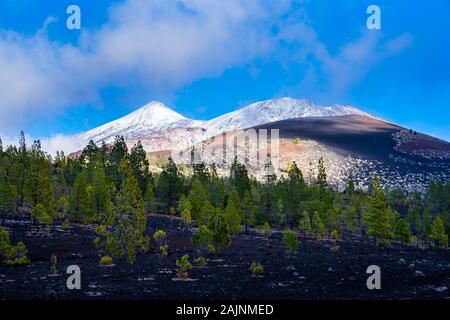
(58, 142)
(331, 75)
(160, 45)
(163, 45)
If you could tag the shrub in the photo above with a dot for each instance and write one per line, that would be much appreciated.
(160, 236)
(200, 261)
(106, 260)
(290, 241)
(215, 236)
(183, 267)
(335, 235)
(18, 255)
(40, 214)
(265, 230)
(203, 236)
(65, 225)
(15, 255)
(164, 250)
(256, 268)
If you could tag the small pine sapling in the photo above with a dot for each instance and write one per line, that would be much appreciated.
(256, 268)
(290, 241)
(183, 267)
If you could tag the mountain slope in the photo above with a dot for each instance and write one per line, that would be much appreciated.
(276, 110)
(351, 145)
(160, 128)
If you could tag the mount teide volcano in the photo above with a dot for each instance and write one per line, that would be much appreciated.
(350, 141)
(160, 128)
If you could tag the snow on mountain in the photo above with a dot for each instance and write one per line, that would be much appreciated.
(161, 128)
(152, 118)
(276, 110)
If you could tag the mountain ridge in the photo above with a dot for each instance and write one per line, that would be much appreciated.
(155, 118)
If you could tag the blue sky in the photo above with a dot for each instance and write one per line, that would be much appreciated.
(204, 58)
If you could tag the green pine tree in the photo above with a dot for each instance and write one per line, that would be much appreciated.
(248, 210)
(8, 196)
(232, 217)
(304, 223)
(402, 231)
(377, 217)
(437, 232)
(81, 202)
(290, 241)
(317, 226)
(170, 185)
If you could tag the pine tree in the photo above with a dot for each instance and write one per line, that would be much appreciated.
(304, 223)
(295, 190)
(126, 233)
(38, 185)
(322, 179)
(377, 218)
(393, 217)
(149, 199)
(350, 189)
(170, 184)
(425, 222)
(234, 198)
(15, 255)
(269, 186)
(89, 152)
(100, 193)
(239, 179)
(280, 213)
(317, 226)
(81, 203)
(437, 232)
(39, 214)
(186, 215)
(8, 196)
(201, 172)
(290, 241)
(414, 214)
(140, 166)
(402, 231)
(206, 212)
(216, 188)
(220, 233)
(232, 218)
(248, 210)
(198, 197)
(119, 151)
(352, 214)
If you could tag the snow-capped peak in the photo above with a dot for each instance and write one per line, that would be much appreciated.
(152, 117)
(276, 110)
(153, 113)
(156, 122)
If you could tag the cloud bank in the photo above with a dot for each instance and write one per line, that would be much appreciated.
(162, 46)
